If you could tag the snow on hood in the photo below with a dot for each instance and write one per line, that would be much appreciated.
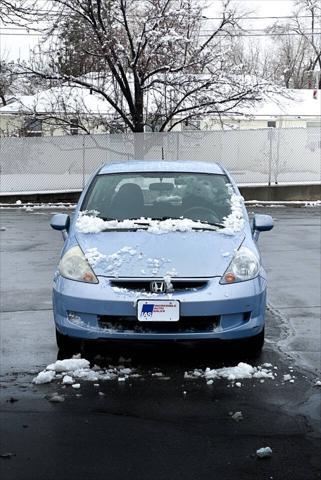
(145, 255)
(132, 248)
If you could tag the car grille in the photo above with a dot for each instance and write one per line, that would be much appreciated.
(144, 285)
(184, 325)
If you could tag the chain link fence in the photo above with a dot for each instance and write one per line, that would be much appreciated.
(266, 156)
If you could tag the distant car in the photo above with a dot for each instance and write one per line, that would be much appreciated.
(160, 251)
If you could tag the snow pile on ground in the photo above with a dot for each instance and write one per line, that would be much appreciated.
(280, 203)
(234, 222)
(72, 369)
(264, 452)
(317, 203)
(288, 378)
(44, 377)
(240, 371)
(68, 365)
(30, 206)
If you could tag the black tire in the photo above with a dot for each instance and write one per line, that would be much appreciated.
(67, 344)
(255, 344)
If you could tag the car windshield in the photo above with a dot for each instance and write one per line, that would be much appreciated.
(160, 196)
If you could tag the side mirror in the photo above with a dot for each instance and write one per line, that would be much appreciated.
(261, 223)
(60, 221)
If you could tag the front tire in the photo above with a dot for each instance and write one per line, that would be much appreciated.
(66, 344)
(255, 344)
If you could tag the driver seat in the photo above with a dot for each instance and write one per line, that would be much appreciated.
(128, 202)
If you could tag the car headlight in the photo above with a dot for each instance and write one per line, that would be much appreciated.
(244, 266)
(74, 266)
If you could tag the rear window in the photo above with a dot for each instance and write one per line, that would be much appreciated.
(159, 196)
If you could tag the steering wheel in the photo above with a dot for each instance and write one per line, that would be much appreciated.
(211, 215)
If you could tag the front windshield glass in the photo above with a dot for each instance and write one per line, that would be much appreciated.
(196, 196)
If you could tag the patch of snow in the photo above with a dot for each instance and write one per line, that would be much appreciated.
(276, 203)
(113, 262)
(234, 222)
(44, 377)
(68, 365)
(264, 452)
(240, 371)
(80, 369)
(168, 282)
(37, 206)
(56, 398)
(91, 224)
(67, 380)
(237, 416)
(94, 256)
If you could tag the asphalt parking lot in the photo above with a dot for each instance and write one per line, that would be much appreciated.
(168, 427)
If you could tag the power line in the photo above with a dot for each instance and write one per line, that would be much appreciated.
(263, 34)
(265, 17)
(205, 18)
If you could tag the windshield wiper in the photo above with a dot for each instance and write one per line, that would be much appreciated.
(146, 222)
(213, 224)
(203, 222)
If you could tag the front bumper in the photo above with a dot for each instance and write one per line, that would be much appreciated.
(238, 310)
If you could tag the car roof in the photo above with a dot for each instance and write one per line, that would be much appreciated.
(162, 166)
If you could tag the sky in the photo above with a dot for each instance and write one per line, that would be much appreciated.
(16, 43)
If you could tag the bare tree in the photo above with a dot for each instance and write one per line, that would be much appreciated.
(18, 12)
(150, 60)
(299, 45)
(6, 81)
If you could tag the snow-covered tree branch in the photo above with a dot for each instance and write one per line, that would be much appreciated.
(150, 60)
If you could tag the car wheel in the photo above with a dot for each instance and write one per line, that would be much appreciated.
(67, 344)
(255, 344)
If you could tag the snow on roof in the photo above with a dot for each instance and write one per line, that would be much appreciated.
(294, 103)
(162, 166)
(60, 100)
(72, 99)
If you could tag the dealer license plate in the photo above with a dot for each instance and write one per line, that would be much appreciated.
(158, 310)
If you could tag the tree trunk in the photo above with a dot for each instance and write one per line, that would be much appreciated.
(138, 121)
(139, 106)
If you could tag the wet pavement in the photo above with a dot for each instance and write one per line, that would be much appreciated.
(148, 427)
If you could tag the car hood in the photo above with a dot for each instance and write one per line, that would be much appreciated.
(143, 254)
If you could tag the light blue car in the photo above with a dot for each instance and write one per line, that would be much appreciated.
(160, 251)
